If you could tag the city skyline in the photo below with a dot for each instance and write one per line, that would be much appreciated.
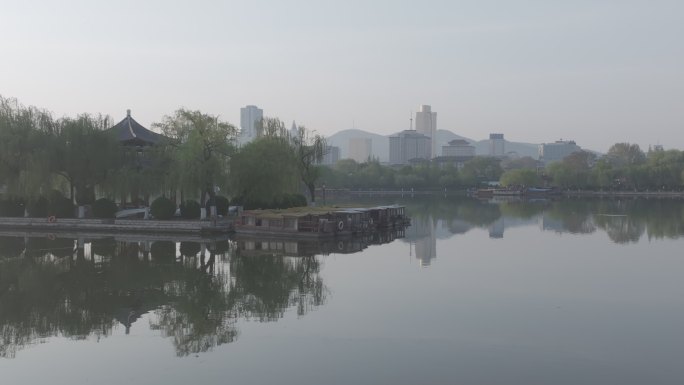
(535, 72)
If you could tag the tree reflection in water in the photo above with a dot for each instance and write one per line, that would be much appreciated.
(623, 220)
(50, 287)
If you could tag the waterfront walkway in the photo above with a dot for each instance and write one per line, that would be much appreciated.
(119, 225)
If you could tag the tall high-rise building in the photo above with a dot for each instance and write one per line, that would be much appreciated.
(426, 124)
(408, 145)
(360, 149)
(497, 145)
(249, 118)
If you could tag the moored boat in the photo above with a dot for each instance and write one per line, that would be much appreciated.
(313, 222)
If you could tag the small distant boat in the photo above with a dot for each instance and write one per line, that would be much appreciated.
(484, 192)
(541, 191)
(508, 192)
(515, 192)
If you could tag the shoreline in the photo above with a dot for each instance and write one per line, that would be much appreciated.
(119, 225)
(563, 193)
(629, 194)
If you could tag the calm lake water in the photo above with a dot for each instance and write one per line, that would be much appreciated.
(544, 292)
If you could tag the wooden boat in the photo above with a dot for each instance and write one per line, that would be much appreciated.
(312, 222)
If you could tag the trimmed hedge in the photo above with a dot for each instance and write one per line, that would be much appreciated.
(38, 208)
(57, 205)
(163, 208)
(190, 209)
(12, 207)
(104, 208)
(222, 205)
(61, 207)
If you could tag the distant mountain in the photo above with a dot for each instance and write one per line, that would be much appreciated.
(380, 143)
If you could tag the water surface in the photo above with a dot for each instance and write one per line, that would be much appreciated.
(543, 292)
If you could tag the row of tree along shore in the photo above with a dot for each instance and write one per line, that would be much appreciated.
(625, 168)
(50, 165)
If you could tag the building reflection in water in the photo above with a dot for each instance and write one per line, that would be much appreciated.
(422, 239)
(496, 229)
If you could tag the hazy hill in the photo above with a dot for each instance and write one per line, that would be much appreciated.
(380, 143)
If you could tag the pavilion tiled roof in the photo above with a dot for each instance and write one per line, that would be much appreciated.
(128, 131)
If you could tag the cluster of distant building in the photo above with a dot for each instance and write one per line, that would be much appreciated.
(413, 146)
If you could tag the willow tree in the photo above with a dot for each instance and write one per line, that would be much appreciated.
(85, 155)
(264, 169)
(24, 170)
(202, 145)
(309, 149)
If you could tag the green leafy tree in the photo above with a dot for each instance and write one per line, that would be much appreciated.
(520, 177)
(85, 155)
(665, 168)
(481, 169)
(24, 170)
(573, 171)
(309, 149)
(625, 154)
(263, 169)
(203, 146)
(518, 163)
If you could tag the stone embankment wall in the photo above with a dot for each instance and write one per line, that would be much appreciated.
(114, 225)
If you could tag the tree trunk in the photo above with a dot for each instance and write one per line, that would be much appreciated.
(312, 191)
(212, 201)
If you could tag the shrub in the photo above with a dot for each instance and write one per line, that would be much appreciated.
(85, 196)
(104, 208)
(38, 207)
(222, 205)
(12, 207)
(190, 209)
(163, 208)
(61, 207)
(298, 200)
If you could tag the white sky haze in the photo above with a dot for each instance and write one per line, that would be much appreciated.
(598, 72)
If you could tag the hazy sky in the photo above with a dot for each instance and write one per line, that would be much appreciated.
(594, 71)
